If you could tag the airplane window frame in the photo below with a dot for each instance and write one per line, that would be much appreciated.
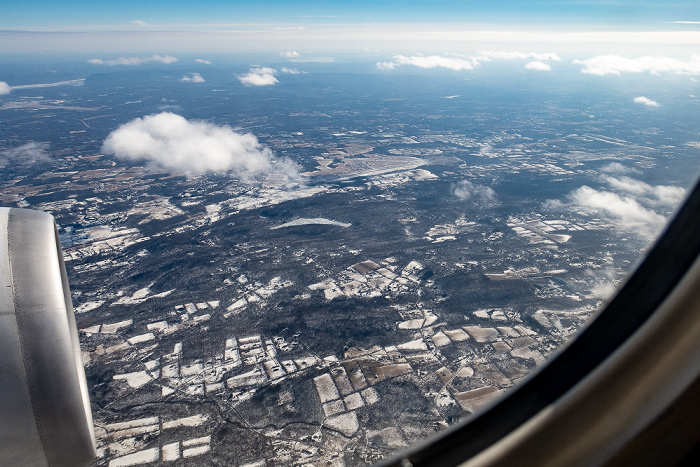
(668, 260)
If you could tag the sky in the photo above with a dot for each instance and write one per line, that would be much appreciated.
(49, 14)
(391, 26)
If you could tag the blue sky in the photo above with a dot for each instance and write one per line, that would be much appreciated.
(393, 26)
(58, 14)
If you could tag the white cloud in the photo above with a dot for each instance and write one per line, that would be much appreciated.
(386, 65)
(170, 141)
(628, 214)
(646, 101)
(602, 282)
(666, 196)
(201, 60)
(580, 41)
(432, 61)
(259, 77)
(467, 63)
(26, 154)
(478, 195)
(4, 88)
(485, 150)
(617, 64)
(292, 54)
(631, 205)
(133, 60)
(616, 167)
(139, 22)
(170, 108)
(487, 56)
(192, 78)
(166, 59)
(291, 71)
(316, 60)
(71, 82)
(537, 65)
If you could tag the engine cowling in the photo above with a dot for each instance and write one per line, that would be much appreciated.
(45, 417)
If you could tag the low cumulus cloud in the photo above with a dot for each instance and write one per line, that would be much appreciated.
(617, 168)
(646, 101)
(617, 64)
(538, 66)
(631, 205)
(663, 196)
(292, 54)
(468, 63)
(139, 22)
(202, 61)
(170, 141)
(627, 213)
(479, 195)
(4, 88)
(133, 61)
(259, 77)
(485, 150)
(602, 282)
(192, 78)
(27, 154)
(264, 76)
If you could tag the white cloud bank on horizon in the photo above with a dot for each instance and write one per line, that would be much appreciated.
(599, 65)
(132, 61)
(469, 63)
(328, 38)
(172, 142)
(139, 22)
(192, 78)
(479, 195)
(646, 101)
(631, 205)
(291, 54)
(488, 56)
(201, 60)
(4, 88)
(617, 64)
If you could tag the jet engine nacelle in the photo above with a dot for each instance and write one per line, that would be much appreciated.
(45, 417)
